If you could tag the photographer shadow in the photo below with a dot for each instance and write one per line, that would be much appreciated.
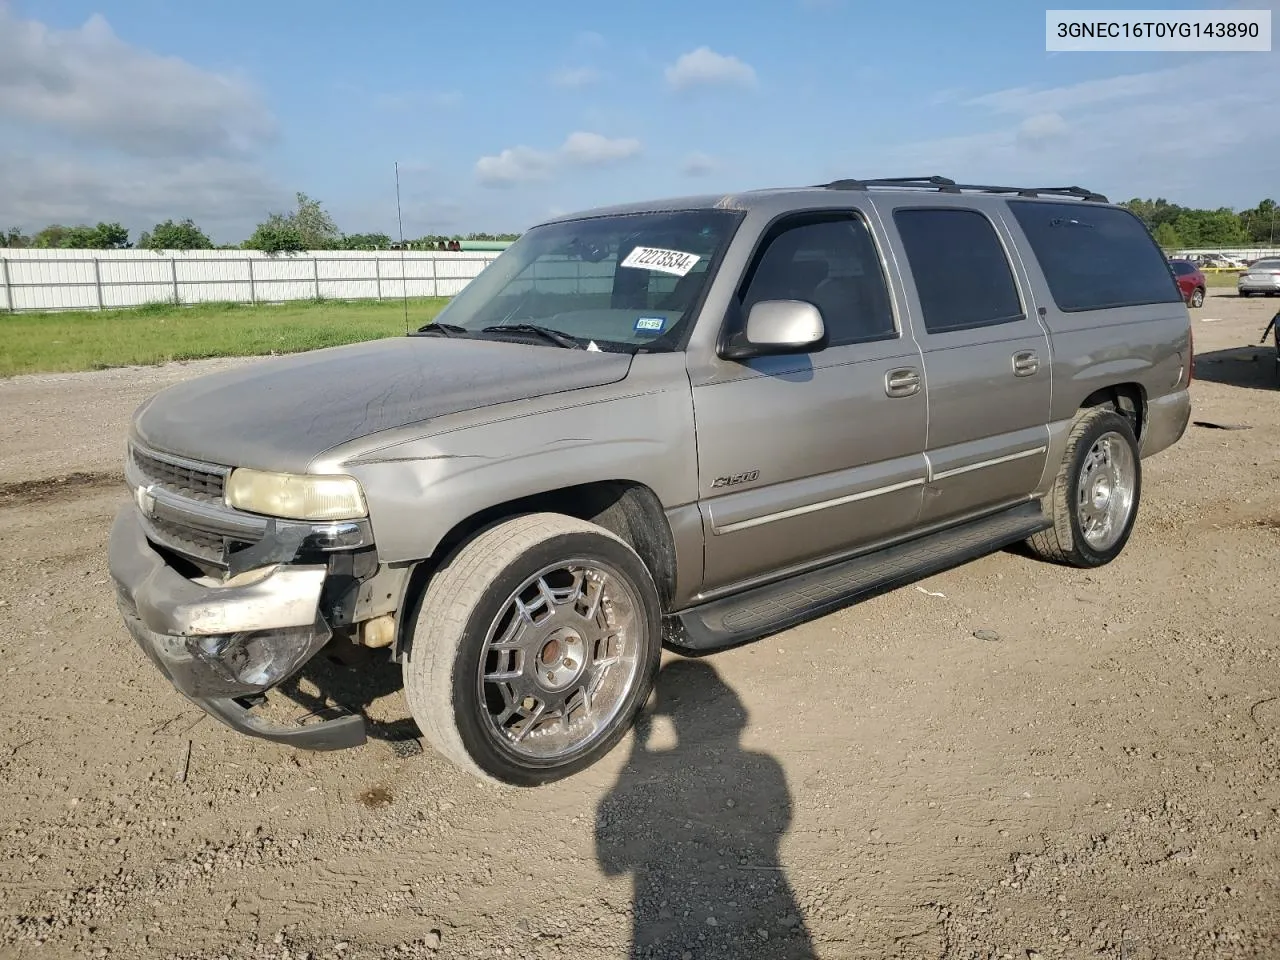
(354, 679)
(698, 825)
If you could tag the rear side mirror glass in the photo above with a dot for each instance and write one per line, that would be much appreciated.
(776, 327)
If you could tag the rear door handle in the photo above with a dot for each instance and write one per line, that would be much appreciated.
(902, 383)
(1025, 363)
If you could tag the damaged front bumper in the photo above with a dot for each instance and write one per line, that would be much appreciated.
(221, 643)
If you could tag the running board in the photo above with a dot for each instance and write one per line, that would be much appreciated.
(767, 609)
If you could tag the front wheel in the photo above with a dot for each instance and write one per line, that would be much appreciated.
(1197, 297)
(536, 644)
(1094, 500)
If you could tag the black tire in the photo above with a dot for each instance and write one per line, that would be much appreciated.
(1197, 297)
(1242, 293)
(1065, 542)
(467, 597)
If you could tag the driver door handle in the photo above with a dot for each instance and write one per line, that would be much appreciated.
(1025, 363)
(902, 383)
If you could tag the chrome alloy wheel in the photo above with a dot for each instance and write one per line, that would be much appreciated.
(560, 659)
(1104, 496)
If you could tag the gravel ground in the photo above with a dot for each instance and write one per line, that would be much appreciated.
(1014, 760)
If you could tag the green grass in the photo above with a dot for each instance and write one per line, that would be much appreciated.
(1224, 278)
(159, 332)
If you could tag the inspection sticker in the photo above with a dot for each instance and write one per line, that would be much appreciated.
(650, 324)
(655, 258)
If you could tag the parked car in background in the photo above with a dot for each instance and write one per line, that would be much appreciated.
(1190, 281)
(1262, 277)
(1219, 261)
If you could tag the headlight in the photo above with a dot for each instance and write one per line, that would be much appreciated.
(296, 496)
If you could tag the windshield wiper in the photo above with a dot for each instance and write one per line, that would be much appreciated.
(443, 329)
(554, 336)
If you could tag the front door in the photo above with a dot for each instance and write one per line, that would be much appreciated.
(803, 458)
(986, 359)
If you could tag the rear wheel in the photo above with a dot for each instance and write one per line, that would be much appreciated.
(1197, 297)
(1095, 497)
(535, 645)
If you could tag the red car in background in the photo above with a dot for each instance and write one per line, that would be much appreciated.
(1190, 281)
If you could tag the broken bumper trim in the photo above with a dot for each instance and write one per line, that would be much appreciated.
(152, 595)
(169, 603)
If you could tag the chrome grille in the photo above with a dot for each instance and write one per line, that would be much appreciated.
(187, 514)
(187, 479)
(189, 541)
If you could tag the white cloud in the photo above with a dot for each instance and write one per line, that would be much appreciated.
(699, 165)
(1124, 135)
(705, 67)
(524, 164)
(514, 165)
(93, 128)
(225, 197)
(945, 96)
(88, 83)
(1041, 130)
(1084, 94)
(575, 78)
(593, 150)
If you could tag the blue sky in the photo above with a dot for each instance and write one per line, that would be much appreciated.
(505, 112)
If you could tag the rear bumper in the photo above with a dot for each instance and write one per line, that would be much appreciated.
(218, 644)
(1258, 286)
(1167, 419)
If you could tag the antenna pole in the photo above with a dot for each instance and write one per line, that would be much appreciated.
(404, 283)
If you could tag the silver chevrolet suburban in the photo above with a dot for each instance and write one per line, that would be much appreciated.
(689, 422)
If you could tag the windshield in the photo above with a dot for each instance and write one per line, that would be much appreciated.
(1266, 265)
(624, 283)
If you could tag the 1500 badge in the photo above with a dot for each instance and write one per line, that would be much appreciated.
(736, 479)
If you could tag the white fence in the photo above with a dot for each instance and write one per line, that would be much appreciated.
(102, 279)
(1235, 253)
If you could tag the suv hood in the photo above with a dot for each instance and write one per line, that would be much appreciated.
(280, 413)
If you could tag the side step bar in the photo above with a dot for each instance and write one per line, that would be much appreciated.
(772, 607)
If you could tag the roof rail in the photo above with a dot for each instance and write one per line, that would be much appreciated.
(947, 185)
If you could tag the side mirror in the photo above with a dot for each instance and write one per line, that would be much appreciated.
(777, 327)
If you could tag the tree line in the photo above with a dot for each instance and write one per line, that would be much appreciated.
(307, 227)
(1176, 227)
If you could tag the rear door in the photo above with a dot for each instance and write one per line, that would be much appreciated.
(986, 358)
(805, 457)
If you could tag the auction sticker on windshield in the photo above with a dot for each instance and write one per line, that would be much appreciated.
(655, 258)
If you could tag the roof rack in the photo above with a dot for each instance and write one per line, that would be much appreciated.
(947, 185)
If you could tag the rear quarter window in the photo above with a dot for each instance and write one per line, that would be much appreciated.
(1095, 258)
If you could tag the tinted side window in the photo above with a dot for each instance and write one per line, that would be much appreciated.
(1095, 257)
(1183, 269)
(831, 263)
(961, 272)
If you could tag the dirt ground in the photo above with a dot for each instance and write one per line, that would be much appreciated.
(1096, 775)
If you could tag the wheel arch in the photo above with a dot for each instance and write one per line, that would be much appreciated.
(1127, 398)
(627, 508)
